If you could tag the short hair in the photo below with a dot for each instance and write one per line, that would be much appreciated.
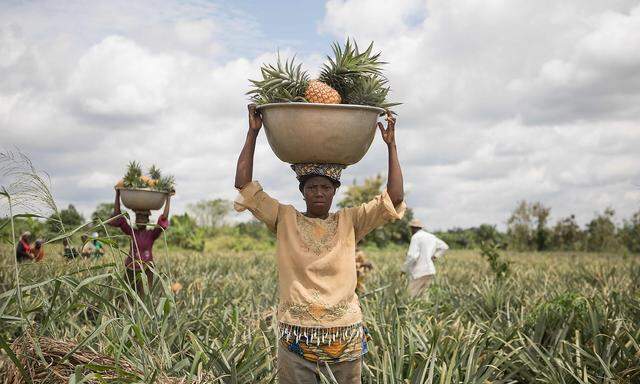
(305, 178)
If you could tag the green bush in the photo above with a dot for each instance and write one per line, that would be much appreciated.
(184, 233)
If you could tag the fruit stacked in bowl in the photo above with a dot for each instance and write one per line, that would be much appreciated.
(140, 192)
(331, 119)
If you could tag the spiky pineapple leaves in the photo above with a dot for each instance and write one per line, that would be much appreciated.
(348, 66)
(135, 179)
(356, 75)
(166, 183)
(280, 83)
(370, 90)
(155, 173)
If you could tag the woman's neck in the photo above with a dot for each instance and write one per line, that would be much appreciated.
(312, 215)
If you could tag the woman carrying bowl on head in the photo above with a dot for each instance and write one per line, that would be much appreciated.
(140, 259)
(319, 316)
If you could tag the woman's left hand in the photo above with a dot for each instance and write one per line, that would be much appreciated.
(388, 134)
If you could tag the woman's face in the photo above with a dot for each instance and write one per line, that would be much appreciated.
(142, 218)
(318, 193)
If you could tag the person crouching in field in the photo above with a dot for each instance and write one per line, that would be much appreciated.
(140, 259)
(69, 252)
(98, 247)
(38, 250)
(23, 249)
(87, 246)
(424, 249)
(319, 316)
(363, 267)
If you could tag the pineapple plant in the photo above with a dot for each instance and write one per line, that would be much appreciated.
(351, 76)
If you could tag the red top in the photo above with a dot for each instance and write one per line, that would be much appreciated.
(140, 250)
(26, 246)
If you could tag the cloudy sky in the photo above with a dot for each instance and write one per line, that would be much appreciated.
(503, 100)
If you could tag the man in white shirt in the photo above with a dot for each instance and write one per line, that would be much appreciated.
(424, 249)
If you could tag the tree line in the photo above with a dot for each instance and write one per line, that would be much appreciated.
(528, 227)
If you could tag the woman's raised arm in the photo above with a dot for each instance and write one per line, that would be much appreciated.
(116, 204)
(244, 169)
(395, 187)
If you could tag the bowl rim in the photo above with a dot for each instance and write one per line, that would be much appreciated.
(320, 106)
(141, 189)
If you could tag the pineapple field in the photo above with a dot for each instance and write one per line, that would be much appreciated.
(553, 318)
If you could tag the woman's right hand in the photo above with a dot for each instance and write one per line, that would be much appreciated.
(255, 118)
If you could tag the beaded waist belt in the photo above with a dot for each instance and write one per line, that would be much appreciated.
(312, 335)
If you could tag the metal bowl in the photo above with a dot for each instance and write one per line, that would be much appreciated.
(140, 199)
(319, 133)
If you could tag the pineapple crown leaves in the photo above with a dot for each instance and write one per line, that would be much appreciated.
(135, 179)
(348, 64)
(356, 75)
(166, 183)
(280, 82)
(132, 179)
(134, 169)
(351, 61)
(154, 172)
(370, 90)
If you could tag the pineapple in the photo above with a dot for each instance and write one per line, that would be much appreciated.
(166, 184)
(146, 180)
(349, 65)
(176, 287)
(319, 92)
(135, 179)
(155, 176)
(288, 82)
(154, 172)
(370, 90)
(132, 179)
(350, 77)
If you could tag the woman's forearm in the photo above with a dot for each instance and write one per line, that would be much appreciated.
(167, 205)
(395, 187)
(116, 203)
(244, 168)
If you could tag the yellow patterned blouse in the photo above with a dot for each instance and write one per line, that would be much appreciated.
(316, 257)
